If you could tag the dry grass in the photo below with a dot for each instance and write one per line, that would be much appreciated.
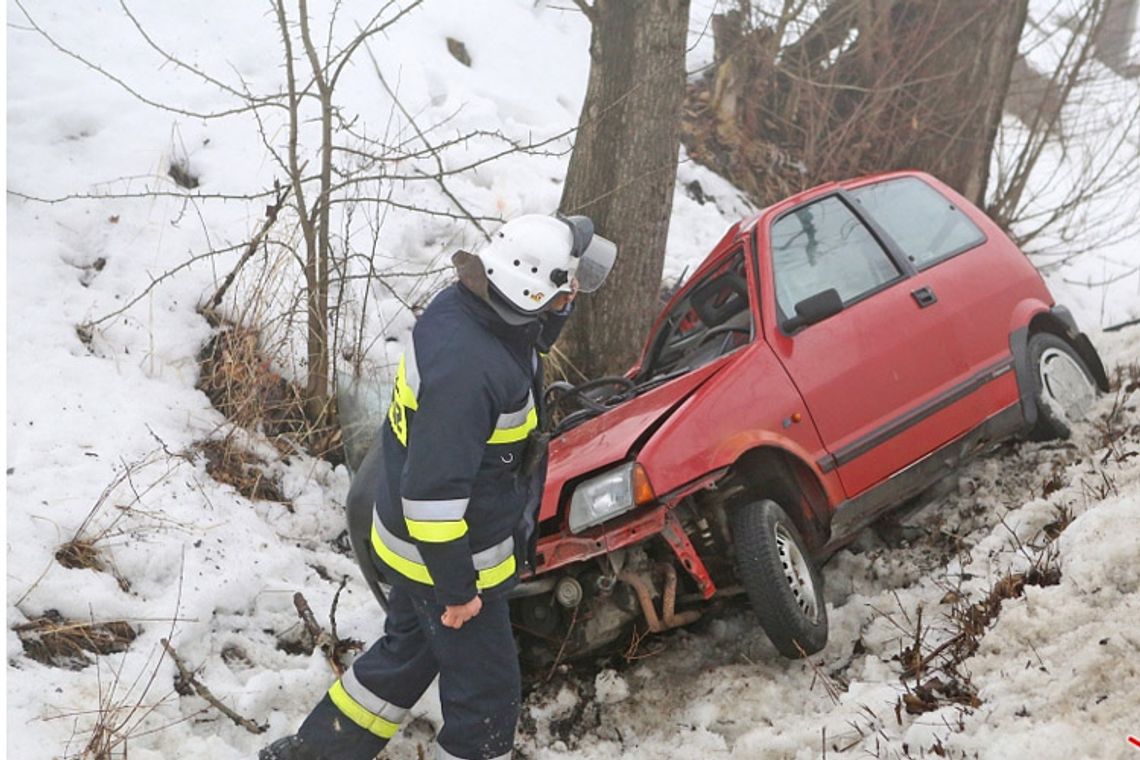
(934, 675)
(230, 463)
(54, 640)
(239, 380)
(84, 554)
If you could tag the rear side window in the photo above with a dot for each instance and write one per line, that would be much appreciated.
(924, 224)
(824, 245)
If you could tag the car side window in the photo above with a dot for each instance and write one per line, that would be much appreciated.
(823, 245)
(925, 225)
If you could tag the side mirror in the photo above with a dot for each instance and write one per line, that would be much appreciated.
(815, 309)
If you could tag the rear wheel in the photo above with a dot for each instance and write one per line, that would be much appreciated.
(783, 584)
(1064, 386)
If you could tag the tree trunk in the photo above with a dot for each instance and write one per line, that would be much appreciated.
(966, 74)
(623, 170)
(870, 86)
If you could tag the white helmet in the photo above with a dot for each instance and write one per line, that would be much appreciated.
(533, 258)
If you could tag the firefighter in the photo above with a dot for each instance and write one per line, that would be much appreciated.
(455, 511)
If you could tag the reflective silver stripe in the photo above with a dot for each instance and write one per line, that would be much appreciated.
(484, 559)
(488, 558)
(411, 369)
(369, 701)
(515, 419)
(435, 509)
(442, 754)
(398, 546)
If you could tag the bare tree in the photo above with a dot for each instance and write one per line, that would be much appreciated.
(623, 169)
(864, 86)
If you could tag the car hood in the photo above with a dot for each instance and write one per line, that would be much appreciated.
(609, 437)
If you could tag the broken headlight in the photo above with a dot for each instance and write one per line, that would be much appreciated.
(612, 493)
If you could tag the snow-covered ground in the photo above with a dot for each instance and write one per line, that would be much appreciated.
(102, 432)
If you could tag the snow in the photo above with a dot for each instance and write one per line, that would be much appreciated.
(102, 435)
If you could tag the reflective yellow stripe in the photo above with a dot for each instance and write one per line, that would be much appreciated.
(403, 401)
(516, 434)
(404, 393)
(436, 531)
(488, 578)
(355, 712)
(405, 567)
(493, 576)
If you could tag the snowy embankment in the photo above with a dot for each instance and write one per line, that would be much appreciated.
(105, 433)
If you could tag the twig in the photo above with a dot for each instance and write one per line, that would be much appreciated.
(121, 83)
(332, 611)
(320, 637)
(254, 243)
(562, 649)
(200, 689)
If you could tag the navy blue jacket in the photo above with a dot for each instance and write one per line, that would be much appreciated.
(450, 505)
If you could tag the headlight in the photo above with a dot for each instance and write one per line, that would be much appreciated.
(608, 495)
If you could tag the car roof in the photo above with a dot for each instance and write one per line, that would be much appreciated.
(735, 234)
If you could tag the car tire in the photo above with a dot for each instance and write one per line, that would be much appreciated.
(783, 584)
(1064, 388)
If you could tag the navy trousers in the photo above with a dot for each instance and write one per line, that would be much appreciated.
(479, 684)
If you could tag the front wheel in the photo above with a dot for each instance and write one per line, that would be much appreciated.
(1063, 384)
(783, 584)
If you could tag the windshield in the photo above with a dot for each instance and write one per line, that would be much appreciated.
(712, 319)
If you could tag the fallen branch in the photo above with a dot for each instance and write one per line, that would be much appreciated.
(323, 641)
(187, 677)
(254, 243)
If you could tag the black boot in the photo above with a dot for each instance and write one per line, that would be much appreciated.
(289, 748)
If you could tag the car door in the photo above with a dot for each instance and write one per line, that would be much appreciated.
(878, 377)
(980, 277)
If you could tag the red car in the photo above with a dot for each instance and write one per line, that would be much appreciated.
(834, 355)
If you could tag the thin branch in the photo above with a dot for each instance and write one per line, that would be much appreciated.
(156, 280)
(269, 101)
(130, 90)
(589, 11)
(200, 689)
(270, 217)
(364, 34)
(427, 143)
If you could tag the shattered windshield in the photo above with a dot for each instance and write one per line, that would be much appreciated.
(713, 318)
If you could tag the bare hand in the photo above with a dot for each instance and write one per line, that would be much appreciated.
(457, 614)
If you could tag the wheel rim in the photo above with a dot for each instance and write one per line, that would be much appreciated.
(797, 572)
(1065, 384)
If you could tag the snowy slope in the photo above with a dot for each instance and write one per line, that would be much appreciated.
(102, 434)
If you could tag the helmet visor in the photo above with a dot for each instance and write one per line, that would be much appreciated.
(595, 264)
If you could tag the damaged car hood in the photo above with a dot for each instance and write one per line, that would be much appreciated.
(610, 437)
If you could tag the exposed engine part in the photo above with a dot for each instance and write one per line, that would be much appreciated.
(722, 592)
(643, 585)
(605, 584)
(531, 588)
(568, 592)
(617, 560)
(540, 616)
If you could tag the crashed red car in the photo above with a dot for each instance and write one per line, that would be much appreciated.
(834, 355)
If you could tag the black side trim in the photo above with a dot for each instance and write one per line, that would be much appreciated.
(852, 515)
(858, 448)
(1026, 385)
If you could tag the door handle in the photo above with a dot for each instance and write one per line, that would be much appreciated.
(924, 296)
